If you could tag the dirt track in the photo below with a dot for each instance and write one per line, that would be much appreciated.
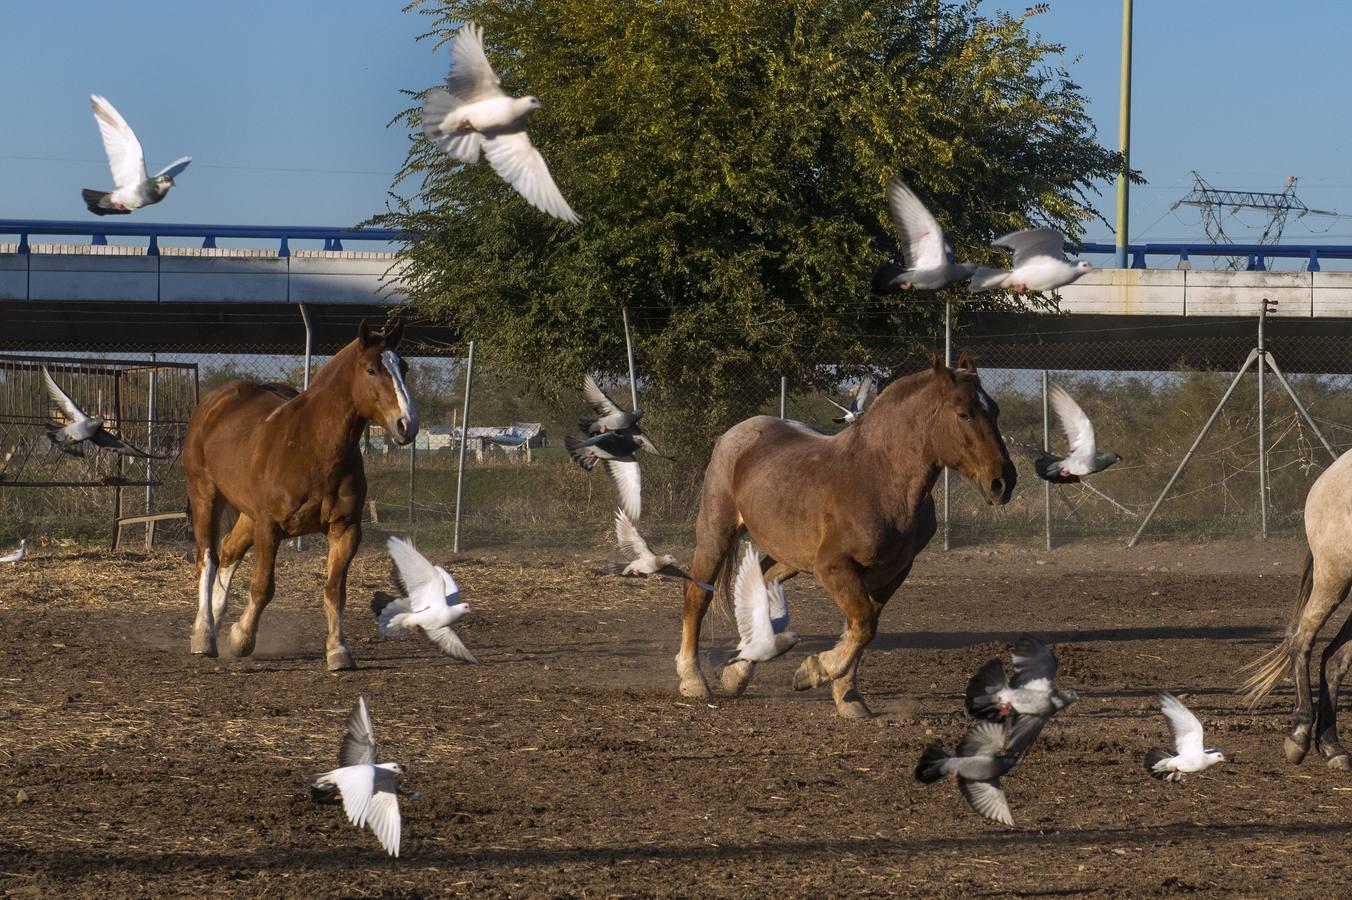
(566, 764)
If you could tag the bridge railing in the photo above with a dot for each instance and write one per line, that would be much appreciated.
(1257, 254)
(99, 232)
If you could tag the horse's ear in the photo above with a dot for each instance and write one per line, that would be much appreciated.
(940, 370)
(364, 334)
(394, 334)
(965, 362)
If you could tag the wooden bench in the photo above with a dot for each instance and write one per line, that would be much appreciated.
(149, 522)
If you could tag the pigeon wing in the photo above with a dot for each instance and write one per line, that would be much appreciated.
(862, 393)
(922, 240)
(1031, 243)
(779, 607)
(61, 399)
(359, 743)
(382, 815)
(597, 399)
(515, 159)
(628, 486)
(751, 604)
(356, 784)
(1033, 660)
(419, 577)
(844, 409)
(108, 441)
(1023, 733)
(988, 799)
(1184, 727)
(125, 157)
(449, 642)
(1079, 430)
(471, 78)
(985, 738)
(627, 536)
(175, 167)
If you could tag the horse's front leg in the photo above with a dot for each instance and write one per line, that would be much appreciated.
(245, 632)
(344, 539)
(843, 579)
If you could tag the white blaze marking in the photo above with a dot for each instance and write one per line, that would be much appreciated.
(984, 401)
(391, 361)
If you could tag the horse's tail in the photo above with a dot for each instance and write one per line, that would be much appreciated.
(724, 601)
(1269, 668)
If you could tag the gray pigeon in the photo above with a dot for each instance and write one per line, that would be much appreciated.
(1084, 457)
(987, 752)
(610, 416)
(82, 427)
(1031, 692)
(133, 188)
(928, 260)
(609, 445)
(858, 401)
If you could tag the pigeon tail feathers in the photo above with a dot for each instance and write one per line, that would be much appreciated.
(987, 279)
(886, 277)
(931, 766)
(1153, 757)
(982, 691)
(94, 201)
(1048, 469)
(463, 145)
(579, 453)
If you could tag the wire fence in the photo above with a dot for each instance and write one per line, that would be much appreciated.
(1149, 394)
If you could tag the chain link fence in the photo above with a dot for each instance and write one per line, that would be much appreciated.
(1148, 391)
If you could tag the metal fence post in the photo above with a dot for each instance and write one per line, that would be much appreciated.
(1046, 448)
(1261, 369)
(783, 396)
(629, 354)
(948, 361)
(305, 375)
(412, 477)
(464, 439)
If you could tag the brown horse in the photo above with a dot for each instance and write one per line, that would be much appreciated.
(1324, 585)
(853, 509)
(289, 463)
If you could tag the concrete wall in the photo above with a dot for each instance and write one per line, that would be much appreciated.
(1205, 292)
(205, 276)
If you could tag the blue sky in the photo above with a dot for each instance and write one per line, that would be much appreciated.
(283, 104)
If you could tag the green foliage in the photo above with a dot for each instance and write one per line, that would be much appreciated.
(729, 161)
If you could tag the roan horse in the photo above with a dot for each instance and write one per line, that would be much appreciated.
(1324, 584)
(853, 509)
(290, 464)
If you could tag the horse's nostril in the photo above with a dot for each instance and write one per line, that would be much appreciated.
(998, 486)
(403, 424)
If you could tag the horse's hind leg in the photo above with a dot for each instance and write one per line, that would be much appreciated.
(1339, 653)
(245, 632)
(206, 509)
(344, 539)
(233, 548)
(1326, 592)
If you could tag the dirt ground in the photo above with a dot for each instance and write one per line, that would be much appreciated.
(566, 764)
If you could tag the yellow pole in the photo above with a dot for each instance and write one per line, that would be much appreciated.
(1124, 138)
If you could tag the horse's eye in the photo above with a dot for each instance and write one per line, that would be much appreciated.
(966, 417)
(370, 370)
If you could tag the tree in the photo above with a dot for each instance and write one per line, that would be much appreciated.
(729, 160)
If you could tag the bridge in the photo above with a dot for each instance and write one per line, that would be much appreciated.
(58, 294)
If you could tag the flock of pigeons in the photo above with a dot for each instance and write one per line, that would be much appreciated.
(1011, 713)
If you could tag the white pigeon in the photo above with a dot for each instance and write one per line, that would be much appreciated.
(929, 263)
(475, 115)
(1031, 692)
(642, 560)
(1084, 457)
(370, 789)
(762, 613)
(430, 601)
(1188, 755)
(133, 188)
(1039, 264)
(15, 557)
(858, 401)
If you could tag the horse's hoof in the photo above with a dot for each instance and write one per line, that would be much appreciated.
(736, 676)
(810, 674)
(241, 642)
(1342, 762)
(203, 644)
(695, 688)
(340, 660)
(853, 709)
(1295, 751)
